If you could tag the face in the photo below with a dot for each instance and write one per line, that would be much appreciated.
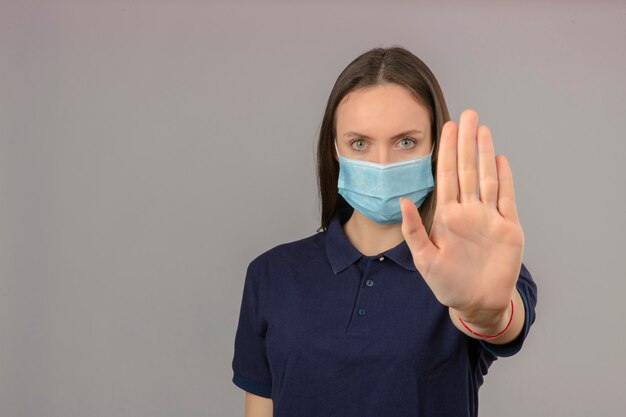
(382, 124)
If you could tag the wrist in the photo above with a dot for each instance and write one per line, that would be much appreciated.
(488, 327)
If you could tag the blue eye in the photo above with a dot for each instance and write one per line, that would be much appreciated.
(357, 140)
(410, 140)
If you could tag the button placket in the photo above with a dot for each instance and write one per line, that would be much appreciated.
(362, 311)
(366, 299)
(370, 282)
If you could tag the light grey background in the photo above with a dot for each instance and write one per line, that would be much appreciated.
(149, 150)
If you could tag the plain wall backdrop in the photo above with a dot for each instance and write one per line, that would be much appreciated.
(149, 150)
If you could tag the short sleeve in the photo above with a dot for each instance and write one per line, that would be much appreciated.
(251, 371)
(528, 291)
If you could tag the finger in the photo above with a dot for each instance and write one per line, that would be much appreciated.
(506, 195)
(487, 171)
(414, 232)
(468, 178)
(447, 180)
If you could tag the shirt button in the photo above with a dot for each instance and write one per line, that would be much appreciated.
(369, 282)
(382, 258)
(362, 312)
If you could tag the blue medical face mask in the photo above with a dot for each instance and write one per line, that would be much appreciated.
(375, 189)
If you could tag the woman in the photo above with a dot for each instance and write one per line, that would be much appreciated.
(411, 287)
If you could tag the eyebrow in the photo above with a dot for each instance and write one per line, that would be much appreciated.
(399, 135)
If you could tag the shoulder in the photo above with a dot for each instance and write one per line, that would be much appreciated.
(294, 250)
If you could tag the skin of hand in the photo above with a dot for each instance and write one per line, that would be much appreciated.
(472, 258)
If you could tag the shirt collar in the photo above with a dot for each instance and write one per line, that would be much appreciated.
(341, 254)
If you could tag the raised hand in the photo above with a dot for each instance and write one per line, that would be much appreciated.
(472, 258)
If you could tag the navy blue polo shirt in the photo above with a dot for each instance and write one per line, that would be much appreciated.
(325, 331)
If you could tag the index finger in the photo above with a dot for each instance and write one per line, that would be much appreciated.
(447, 176)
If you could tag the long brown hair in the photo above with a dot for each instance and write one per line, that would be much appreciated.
(378, 66)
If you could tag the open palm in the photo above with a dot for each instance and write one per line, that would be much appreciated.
(472, 258)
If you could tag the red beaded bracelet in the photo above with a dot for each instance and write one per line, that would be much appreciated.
(491, 337)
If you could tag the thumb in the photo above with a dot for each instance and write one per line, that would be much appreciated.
(414, 232)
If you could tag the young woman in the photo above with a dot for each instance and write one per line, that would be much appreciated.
(414, 283)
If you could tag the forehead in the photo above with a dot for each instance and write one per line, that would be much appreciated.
(381, 109)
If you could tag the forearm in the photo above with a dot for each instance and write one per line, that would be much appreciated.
(257, 406)
(514, 329)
